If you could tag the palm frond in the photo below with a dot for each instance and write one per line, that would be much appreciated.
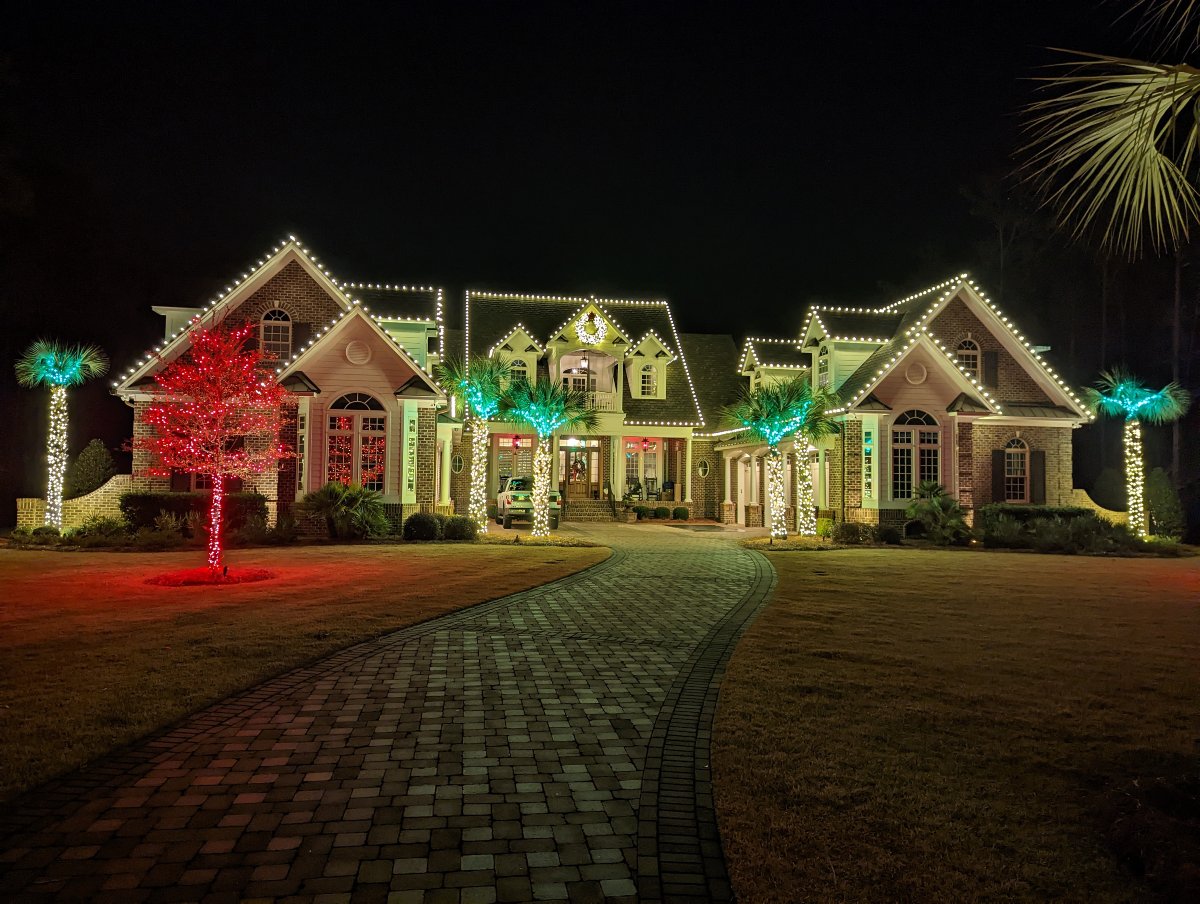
(479, 384)
(547, 407)
(1170, 24)
(779, 410)
(1118, 393)
(49, 363)
(1112, 149)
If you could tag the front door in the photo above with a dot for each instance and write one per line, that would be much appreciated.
(580, 471)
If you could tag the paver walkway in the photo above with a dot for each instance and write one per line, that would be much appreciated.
(552, 745)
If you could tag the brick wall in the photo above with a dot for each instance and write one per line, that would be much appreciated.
(1054, 441)
(951, 327)
(143, 459)
(102, 503)
(426, 488)
(460, 483)
(966, 465)
(707, 492)
(293, 290)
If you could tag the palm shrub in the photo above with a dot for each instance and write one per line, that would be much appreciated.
(546, 407)
(480, 385)
(350, 511)
(942, 518)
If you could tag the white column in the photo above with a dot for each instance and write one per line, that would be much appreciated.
(444, 472)
(753, 474)
(555, 476)
(687, 472)
(727, 478)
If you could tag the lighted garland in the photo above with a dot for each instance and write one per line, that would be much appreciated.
(56, 455)
(477, 504)
(591, 329)
(541, 488)
(806, 508)
(775, 492)
(1135, 477)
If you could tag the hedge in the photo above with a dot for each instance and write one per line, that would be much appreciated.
(1023, 513)
(140, 509)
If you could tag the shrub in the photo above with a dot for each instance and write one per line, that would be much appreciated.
(350, 512)
(1162, 501)
(889, 534)
(1003, 532)
(286, 529)
(824, 528)
(140, 509)
(662, 511)
(847, 532)
(460, 527)
(168, 523)
(152, 540)
(254, 531)
(442, 518)
(89, 471)
(195, 527)
(45, 535)
(642, 511)
(940, 516)
(422, 526)
(20, 535)
(97, 527)
(681, 513)
(1022, 513)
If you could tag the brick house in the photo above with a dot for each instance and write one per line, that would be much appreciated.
(358, 361)
(936, 386)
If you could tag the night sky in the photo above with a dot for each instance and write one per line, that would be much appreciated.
(741, 160)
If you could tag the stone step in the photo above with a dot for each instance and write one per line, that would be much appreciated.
(588, 510)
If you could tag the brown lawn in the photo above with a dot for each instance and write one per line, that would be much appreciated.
(92, 657)
(886, 733)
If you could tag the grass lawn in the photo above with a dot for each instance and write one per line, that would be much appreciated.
(92, 657)
(888, 733)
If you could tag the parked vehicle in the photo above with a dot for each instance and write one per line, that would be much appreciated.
(515, 502)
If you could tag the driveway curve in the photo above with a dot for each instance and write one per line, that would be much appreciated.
(551, 745)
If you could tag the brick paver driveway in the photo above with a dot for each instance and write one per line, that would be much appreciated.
(552, 745)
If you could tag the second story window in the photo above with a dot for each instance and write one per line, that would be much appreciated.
(968, 357)
(518, 370)
(276, 335)
(649, 381)
(823, 367)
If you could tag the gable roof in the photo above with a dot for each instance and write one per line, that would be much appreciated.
(491, 316)
(774, 353)
(715, 372)
(897, 323)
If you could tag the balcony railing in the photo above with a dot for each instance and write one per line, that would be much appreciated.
(603, 401)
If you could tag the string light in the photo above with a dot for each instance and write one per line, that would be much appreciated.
(806, 508)
(591, 329)
(56, 455)
(1135, 477)
(775, 493)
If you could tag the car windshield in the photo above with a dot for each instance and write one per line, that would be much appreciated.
(520, 483)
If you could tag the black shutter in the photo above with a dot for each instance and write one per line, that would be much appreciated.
(181, 481)
(997, 475)
(1037, 477)
(991, 369)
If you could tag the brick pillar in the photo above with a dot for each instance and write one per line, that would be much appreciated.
(966, 469)
(143, 459)
(426, 457)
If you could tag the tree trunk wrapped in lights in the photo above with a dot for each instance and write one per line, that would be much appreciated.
(219, 413)
(58, 366)
(772, 413)
(806, 501)
(546, 407)
(480, 385)
(1119, 394)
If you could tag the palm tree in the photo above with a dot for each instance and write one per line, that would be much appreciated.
(1120, 394)
(479, 386)
(773, 413)
(47, 363)
(546, 407)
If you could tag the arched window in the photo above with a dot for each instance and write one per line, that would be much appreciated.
(1016, 471)
(356, 444)
(916, 452)
(968, 357)
(275, 334)
(518, 370)
(823, 367)
(649, 381)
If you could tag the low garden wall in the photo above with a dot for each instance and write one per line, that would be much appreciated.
(1083, 500)
(102, 502)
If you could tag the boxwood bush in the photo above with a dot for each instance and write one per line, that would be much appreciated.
(681, 513)
(422, 526)
(662, 511)
(642, 511)
(460, 527)
(141, 509)
(1023, 513)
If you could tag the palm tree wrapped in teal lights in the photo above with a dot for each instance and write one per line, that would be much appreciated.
(546, 407)
(774, 413)
(48, 363)
(479, 386)
(1120, 394)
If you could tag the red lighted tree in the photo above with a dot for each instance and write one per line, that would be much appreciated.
(220, 413)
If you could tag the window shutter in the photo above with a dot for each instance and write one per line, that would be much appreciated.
(181, 481)
(991, 369)
(1037, 477)
(997, 475)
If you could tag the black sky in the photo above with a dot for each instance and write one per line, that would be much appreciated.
(739, 159)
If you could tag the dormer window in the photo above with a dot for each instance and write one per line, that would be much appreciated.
(649, 381)
(275, 334)
(518, 370)
(823, 367)
(968, 357)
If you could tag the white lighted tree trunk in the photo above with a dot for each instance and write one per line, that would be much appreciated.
(477, 507)
(806, 510)
(775, 494)
(56, 455)
(541, 488)
(1135, 477)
